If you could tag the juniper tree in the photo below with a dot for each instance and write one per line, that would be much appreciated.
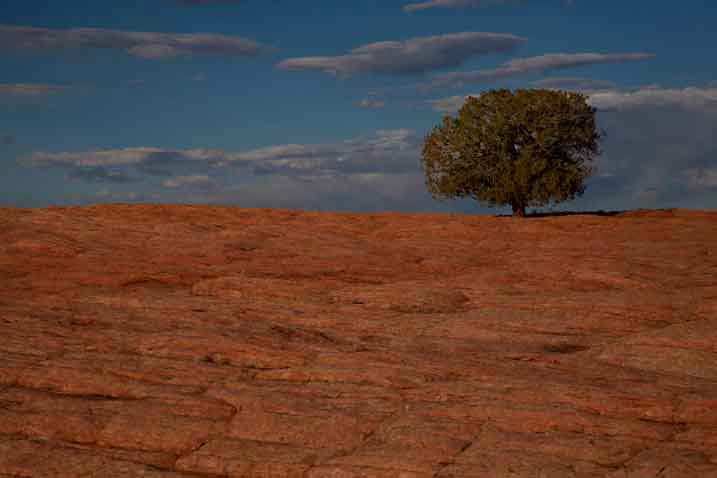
(520, 149)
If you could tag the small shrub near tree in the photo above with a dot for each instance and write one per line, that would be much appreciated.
(521, 149)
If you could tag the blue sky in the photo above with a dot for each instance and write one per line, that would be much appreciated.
(304, 105)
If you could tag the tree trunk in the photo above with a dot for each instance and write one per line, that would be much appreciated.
(518, 210)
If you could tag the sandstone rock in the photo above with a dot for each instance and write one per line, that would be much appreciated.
(202, 341)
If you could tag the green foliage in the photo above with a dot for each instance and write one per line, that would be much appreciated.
(522, 149)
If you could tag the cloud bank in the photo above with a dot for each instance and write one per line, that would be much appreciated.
(536, 64)
(379, 172)
(412, 56)
(704, 99)
(691, 98)
(388, 151)
(148, 45)
(660, 151)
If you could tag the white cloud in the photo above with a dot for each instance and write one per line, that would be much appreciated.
(387, 151)
(416, 55)
(150, 45)
(372, 103)
(118, 196)
(101, 174)
(194, 180)
(536, 64)
(412, 7)
(121, 157)
(573, 84)
(614, 99)
(695, 98)
(702, 178)
(29, 89)
(197, 3)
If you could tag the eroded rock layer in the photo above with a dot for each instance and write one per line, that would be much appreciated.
(178, 341)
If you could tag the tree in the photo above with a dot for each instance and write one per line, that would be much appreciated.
(519, 149)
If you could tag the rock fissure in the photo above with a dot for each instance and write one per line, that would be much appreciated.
(451, 460)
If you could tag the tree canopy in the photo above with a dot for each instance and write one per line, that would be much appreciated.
(520, 149)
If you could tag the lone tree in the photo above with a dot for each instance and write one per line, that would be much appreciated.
(521, 148)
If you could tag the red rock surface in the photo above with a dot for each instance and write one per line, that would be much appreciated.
(178, 341)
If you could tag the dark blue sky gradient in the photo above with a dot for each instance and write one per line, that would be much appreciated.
(113, 100)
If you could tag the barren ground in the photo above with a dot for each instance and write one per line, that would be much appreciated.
(178, 341)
